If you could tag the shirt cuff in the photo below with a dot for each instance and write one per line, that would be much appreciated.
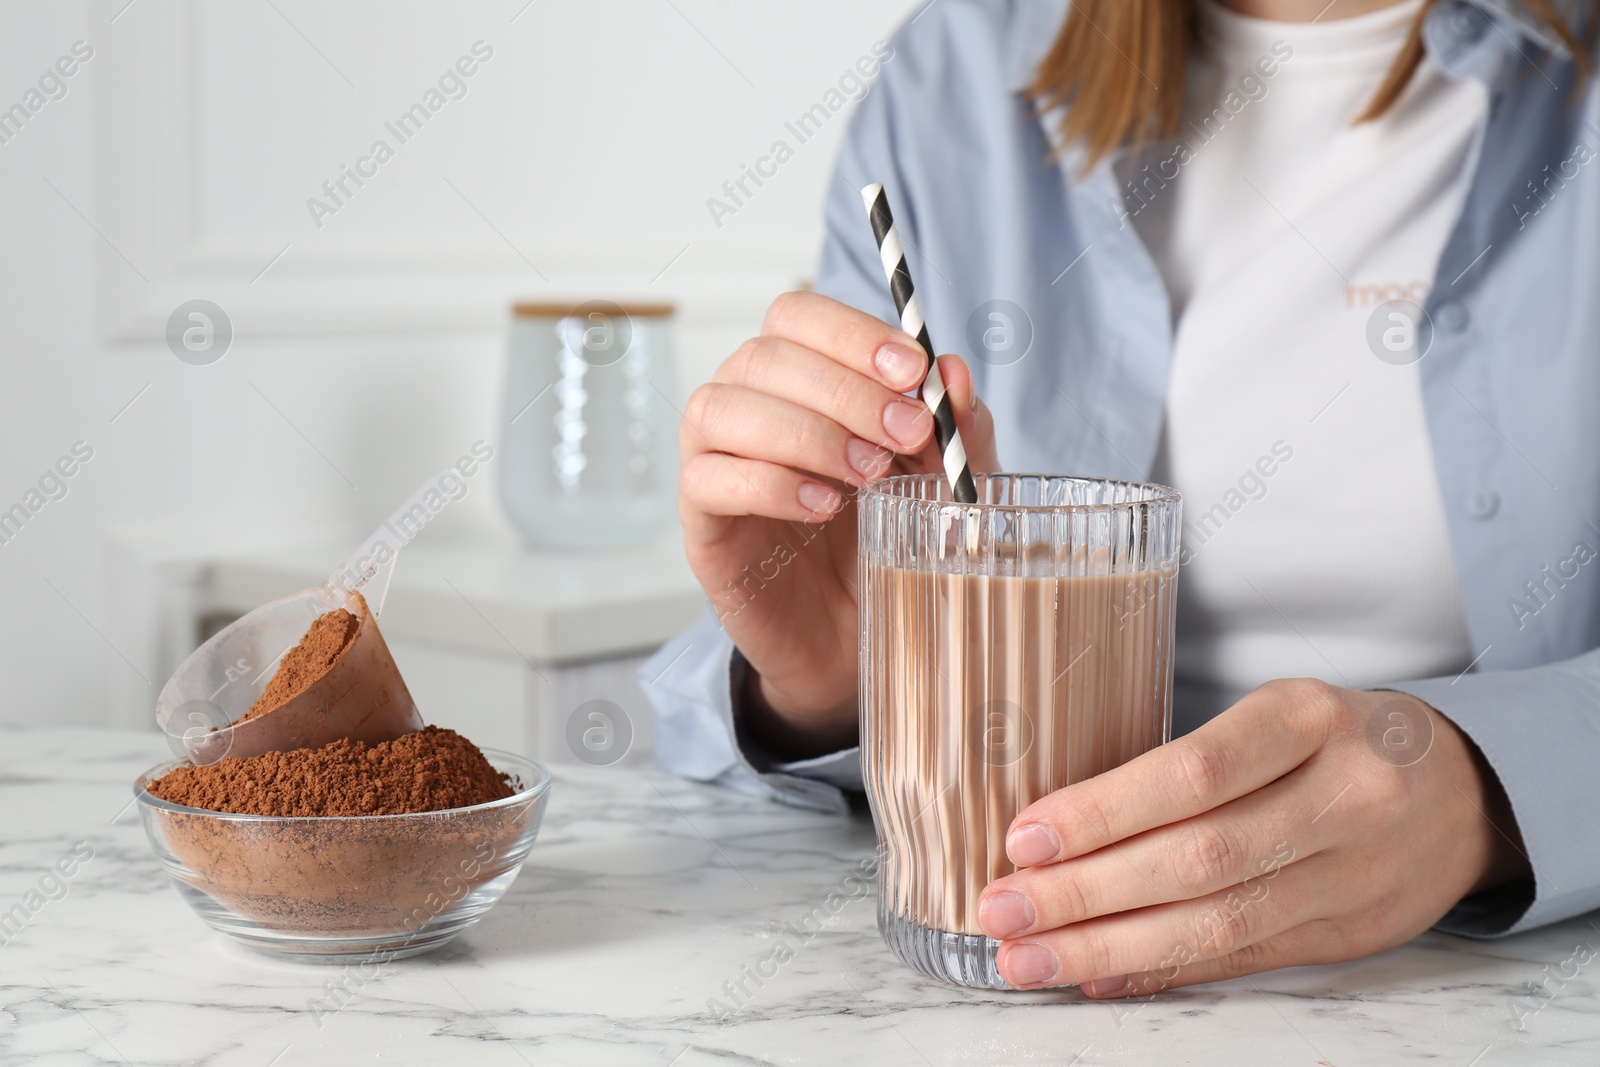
(1539, 731)
(692, 683)
(841, 769)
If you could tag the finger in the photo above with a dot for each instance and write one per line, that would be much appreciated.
(958, 384)
(743, 422)
(720, 484)
(1307, 944)
(1173, 935)
(1258, 740)
(864, 343)
(865, 407)
(974, 421)
(1245, 839)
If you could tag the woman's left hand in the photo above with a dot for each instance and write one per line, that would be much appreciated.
(1305, 824)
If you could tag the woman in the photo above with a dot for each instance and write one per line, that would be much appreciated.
(1330, 269)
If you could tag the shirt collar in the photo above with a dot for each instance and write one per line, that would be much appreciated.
(1487, 39)
(1466, 38)
(1033, 28)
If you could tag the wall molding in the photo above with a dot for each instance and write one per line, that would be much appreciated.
(147, 168)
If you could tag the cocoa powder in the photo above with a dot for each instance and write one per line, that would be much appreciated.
(330, 634)
(384, 840)
(386, 878)
(430, 770)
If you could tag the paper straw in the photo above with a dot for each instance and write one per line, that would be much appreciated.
(905, 301)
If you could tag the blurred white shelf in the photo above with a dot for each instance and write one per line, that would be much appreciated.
(549, 608)
(514, 648)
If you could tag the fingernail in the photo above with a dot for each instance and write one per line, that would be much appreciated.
(900, 366)
(868, 459)
(1032, 844)
(1029, 965)
(908, 422)
(972, 404)
(817, 498)
(1108, 987)
(1005, 915)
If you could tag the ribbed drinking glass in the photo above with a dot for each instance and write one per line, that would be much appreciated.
(1008, 648)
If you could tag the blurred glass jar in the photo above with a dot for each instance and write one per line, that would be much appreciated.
(589, 456)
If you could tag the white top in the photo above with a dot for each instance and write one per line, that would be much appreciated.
(1315, 539)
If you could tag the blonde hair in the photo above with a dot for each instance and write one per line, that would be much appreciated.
(1119, 67)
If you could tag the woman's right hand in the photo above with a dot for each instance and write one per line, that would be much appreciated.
(772, 449)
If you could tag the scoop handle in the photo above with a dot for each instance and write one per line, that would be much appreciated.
(373, 561)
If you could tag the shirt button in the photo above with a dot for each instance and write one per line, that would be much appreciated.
(1452, 317)
(1483, 503)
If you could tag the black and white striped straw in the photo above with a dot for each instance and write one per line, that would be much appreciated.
(905, 301)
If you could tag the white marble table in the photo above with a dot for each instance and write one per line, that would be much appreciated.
(642, 898)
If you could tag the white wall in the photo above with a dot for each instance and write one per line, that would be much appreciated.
(178, 165)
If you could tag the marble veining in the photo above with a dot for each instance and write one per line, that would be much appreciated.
(663, 923)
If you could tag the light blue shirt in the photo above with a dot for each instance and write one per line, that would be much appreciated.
(1510, 386)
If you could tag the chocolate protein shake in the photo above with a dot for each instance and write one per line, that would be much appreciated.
(1000, 691)
(1009, 648)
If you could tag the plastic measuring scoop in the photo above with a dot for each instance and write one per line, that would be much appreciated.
(361, 696)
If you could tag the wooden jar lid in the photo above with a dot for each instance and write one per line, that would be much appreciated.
(559, 309)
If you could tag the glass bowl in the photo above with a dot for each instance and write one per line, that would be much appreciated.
(383, 886)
